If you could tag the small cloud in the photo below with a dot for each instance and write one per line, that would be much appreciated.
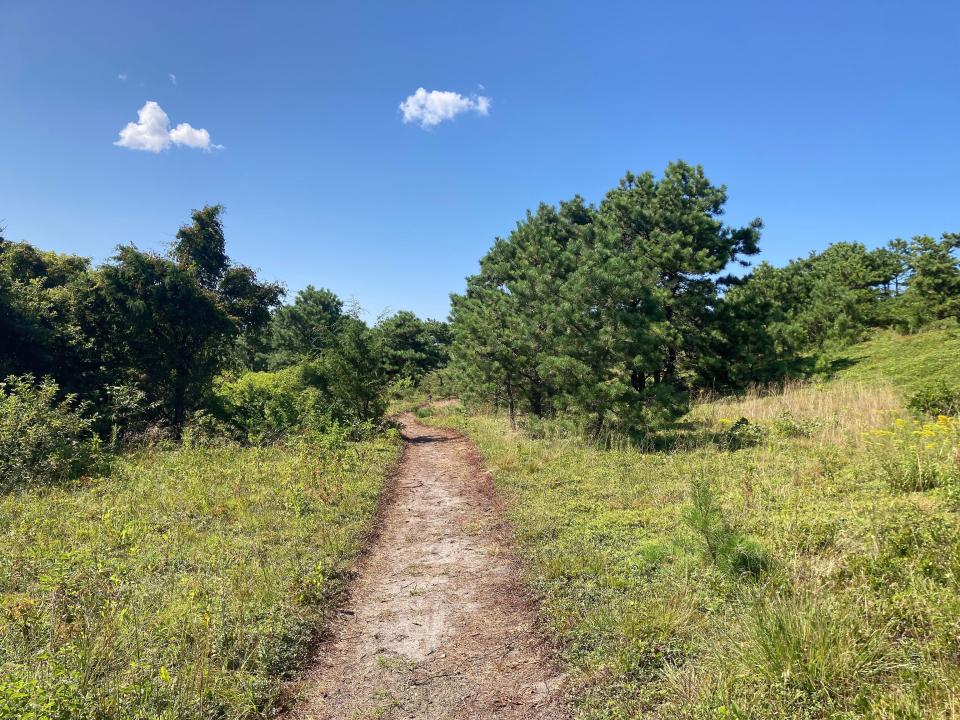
(152, 132)
(173, 78)
(122, 76)
(433, 107)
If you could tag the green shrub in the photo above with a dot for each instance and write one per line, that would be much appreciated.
(263, 407)
(43, 439)
(742, 434)
(786, 425)
(936, 398)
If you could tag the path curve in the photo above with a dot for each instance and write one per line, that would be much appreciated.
(438, 624)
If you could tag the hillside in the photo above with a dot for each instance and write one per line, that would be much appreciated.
(802, 564)
(907, 361)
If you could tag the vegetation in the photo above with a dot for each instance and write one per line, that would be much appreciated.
(187, 584)
(737, 491)
(187, 469)
(807, 570)
(148, 343)
(43, 440)
(613, 314)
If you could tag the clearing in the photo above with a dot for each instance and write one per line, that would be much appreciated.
(439, 625)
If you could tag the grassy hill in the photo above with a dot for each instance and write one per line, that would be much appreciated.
(802, 564)
(906, 361)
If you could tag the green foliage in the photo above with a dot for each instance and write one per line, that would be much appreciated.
(412, 347)
(305, 329)
(355, 377)
(190, 584)
(44, 315)
(936, 398)
(727, 546)
(44, 439)
(265, 407)
(170, 322)
(786, 425)
(742, 434)
(600, 311)
(933, 289)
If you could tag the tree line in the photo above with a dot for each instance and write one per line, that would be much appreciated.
(615, 312)
(156, 340)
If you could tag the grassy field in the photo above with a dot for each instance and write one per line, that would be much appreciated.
(189, 584)
(805, 564)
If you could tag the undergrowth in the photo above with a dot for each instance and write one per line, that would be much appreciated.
(187, 584)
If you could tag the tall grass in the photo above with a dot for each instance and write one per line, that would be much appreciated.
(188, 584)
(837, 412)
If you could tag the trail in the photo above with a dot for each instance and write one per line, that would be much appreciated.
(438, 625)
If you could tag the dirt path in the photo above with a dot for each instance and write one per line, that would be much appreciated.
(438, 625)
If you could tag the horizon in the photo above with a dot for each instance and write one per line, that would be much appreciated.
(378, 154)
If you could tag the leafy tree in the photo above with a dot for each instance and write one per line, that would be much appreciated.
(933, 280)
(506, 326)
(412, 347)
(171, 321)
(307, 328)
(354, 372)
(604, 312)
(42, 305)
(672, 229)
(776, 321)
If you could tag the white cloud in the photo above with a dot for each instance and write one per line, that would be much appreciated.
(152, 132)
(173, 78)
(185, 134)
(433, 107)
(122, 76)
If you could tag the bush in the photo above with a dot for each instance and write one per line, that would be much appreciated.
(742, 434)
(936, 398)
(43, 439)
(263, 407)
(786, 425)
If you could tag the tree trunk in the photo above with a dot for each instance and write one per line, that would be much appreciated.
(511, 405)
(179, 403)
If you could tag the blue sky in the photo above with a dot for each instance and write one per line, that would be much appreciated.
(831, 121)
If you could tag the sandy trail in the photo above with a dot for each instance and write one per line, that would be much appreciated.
(438, 625)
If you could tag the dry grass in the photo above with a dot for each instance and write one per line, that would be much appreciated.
(842, 411)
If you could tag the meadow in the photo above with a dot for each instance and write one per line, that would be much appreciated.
(802, 562)
(186, 583)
